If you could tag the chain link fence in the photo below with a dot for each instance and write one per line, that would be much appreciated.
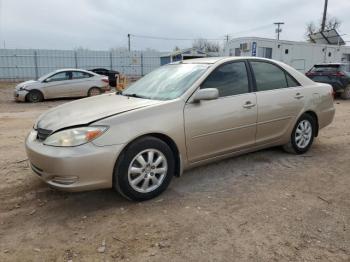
(24, 64)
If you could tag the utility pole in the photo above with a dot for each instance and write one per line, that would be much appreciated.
(129, 42)
(278, 29)
(227, 38)
(324, 18)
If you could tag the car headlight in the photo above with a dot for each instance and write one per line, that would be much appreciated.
(75, 136)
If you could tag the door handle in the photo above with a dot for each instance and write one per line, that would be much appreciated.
(298, 96)
(248, 105)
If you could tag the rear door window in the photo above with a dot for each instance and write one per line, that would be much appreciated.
(80, 75)
(269, 77)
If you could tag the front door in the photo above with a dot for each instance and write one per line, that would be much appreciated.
(58, 85)
(226, 124)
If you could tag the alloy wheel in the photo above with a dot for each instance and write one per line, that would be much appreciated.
(94, 92)
(147, 170)
(303, 134)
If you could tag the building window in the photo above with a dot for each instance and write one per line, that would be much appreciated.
(265, 52)
(286, 51)
(237, 52)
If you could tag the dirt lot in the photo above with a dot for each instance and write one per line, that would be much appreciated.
(264, 206)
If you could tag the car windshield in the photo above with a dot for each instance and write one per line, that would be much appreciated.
(42, 78)
(167, 82)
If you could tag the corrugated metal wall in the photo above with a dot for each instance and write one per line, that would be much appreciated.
(20, 64)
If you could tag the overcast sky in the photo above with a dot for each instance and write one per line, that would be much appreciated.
(104, 24)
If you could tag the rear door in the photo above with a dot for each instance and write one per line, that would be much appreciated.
(280, 98)
(226, 124)
(58, 85)
(81, 83)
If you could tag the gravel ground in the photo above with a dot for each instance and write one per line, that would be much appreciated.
(264, 206)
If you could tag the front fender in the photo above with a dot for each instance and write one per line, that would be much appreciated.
(164, 119)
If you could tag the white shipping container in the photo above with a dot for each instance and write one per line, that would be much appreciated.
(300, 55)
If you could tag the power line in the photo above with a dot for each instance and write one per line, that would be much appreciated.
(172, 39)
(252, 29)
(205, 38)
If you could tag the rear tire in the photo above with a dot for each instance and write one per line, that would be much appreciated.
(346, 93)
(94, 91)
(302, 136)
(144, 170)
(34, 96)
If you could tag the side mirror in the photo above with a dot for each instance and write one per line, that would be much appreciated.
(206, 94)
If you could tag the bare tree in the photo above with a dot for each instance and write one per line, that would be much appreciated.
(206, 46)
(332, 23)
(311, 27)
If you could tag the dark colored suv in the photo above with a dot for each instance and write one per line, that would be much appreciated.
(335, 74)
(112, 75)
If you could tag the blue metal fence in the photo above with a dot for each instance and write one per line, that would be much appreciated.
(21, 64)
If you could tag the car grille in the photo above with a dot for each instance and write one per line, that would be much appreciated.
(43, 134)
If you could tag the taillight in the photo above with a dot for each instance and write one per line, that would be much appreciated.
(105, 80)
(309, 74)
(339, 74)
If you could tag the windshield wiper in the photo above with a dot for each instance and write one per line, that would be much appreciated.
(130, 95)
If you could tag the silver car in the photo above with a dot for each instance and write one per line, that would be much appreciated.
(177, 117)
(62, 83)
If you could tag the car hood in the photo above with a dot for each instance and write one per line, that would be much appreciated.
(88, 110)
(26, 83)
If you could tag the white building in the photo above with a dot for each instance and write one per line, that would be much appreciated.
(300, 55)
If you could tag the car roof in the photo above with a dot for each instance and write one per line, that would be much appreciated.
(72, 69)
(213, 60)
(204, 60)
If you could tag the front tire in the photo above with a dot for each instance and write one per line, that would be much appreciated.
(302, 136)
(145, 169)
(34, 96)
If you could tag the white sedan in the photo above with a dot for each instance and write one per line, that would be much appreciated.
(62, 83)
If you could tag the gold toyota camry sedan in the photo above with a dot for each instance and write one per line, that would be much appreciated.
(177, 117)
